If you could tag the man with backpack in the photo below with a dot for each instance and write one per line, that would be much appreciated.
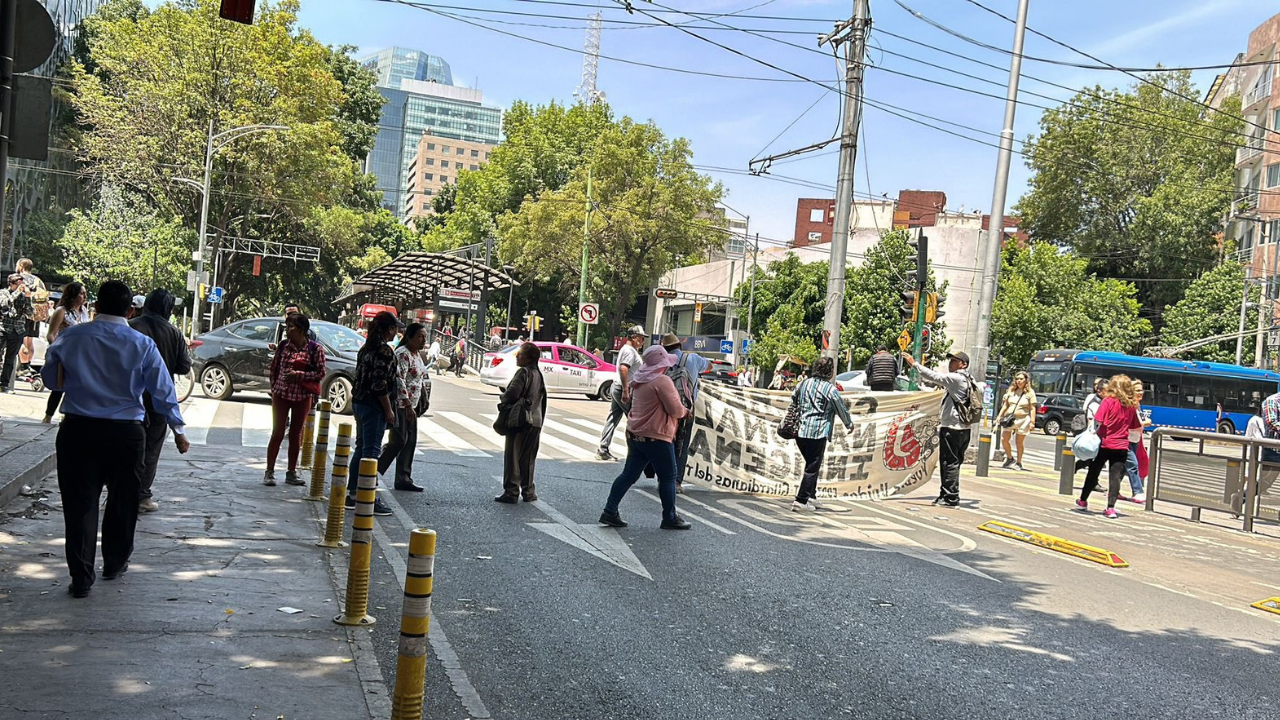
(961, 408)
(15, 312)
(685, 376)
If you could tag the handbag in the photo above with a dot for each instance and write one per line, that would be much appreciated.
(789, 427)
(303, 364)
(1008, 422)
(1086, 445)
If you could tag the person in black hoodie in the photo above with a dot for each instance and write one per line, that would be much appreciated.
(882, 370)
(154, 323)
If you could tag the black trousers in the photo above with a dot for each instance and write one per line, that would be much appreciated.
(951, 455)
(10, 344)
(518, 457)
(684, 433)
(1115, 459)
(812, 450)
(401, 444)
(881, 387)
(157, 430)
(94, 453)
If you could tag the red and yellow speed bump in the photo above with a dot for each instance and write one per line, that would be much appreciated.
(1056, 544)
(1271, 605)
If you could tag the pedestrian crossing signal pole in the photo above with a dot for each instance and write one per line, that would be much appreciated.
(582, 281)
(854, 33)
(922, 277)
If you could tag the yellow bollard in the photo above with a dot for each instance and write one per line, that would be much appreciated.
(308, 438)
(338, 490)
(357, 601)
(321, 455)
(415, 619)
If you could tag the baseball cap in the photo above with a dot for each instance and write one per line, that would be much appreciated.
(385, 316)
(635, 330)
(139, 301)
(962, 357)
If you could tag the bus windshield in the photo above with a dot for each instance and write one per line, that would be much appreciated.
(1050, 377)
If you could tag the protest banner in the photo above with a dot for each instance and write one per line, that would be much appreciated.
(891, 449)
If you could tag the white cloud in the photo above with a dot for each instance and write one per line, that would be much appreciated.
(1145, 33)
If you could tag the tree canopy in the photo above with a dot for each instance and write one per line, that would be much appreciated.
(1211, 306)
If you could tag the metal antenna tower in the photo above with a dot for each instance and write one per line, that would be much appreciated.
(587, 92)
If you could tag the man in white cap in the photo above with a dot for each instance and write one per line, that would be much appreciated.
(620, 393)
(135, 307)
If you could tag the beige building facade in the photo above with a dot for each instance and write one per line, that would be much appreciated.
(437, 163)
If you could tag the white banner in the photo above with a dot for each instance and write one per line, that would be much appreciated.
(891, 449)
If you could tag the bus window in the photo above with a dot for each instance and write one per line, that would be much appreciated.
(1196, 393)
(1162, 388)
(1239, 395)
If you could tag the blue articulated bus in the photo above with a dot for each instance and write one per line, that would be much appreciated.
(1184, 394)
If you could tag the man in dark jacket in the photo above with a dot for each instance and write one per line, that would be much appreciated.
(154, 323)
(882, 370)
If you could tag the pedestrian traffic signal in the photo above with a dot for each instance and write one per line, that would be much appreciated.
(910, 306)
(933, 308)
(532, 322)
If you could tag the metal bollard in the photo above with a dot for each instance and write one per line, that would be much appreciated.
(321, 455)
(1066, 471)
(984, 454)
(1058, 444)
(338, 490)
(356, 608)
(308, 438)
(415, 620)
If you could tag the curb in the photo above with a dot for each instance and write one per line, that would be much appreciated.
(28, 476)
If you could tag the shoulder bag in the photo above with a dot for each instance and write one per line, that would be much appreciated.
(515, 416)
(789, 427)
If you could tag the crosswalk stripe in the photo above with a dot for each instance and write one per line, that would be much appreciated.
(484, 432)
(255, 425)
(198, 416)
(594, 441)
(447, 440)
(574, 452)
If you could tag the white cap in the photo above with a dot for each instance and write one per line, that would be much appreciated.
(139, 301)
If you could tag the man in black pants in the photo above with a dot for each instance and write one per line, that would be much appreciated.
(15, 312)
(104, 367)
(953, 433)
(154, 323)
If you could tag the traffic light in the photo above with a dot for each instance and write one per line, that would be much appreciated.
(532, 322)
(910, 306)
(918, 250)
(926, 339)
(933, 308)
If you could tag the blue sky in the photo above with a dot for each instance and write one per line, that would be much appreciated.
(730, 121)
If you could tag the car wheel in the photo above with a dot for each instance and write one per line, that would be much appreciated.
(215, 383)
(339, 395)
(1052, 426)
(605, 387)
(1226, 427)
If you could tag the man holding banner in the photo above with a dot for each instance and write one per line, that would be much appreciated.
(954, 431)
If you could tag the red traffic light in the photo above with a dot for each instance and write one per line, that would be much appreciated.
(240, 11)
(664, 293)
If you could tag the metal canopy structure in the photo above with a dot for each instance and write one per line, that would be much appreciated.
(418, 276)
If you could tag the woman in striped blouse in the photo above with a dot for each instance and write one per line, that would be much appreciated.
(819, 402)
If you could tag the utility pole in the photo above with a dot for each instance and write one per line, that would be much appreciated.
(995, 229)
(582, 282)
(1244, 311)
(854, 33)
(751, 304)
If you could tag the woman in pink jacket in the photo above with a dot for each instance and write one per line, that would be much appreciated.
(1117, 415)
(651, 429)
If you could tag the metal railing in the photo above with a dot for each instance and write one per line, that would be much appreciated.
(1260, 92)
(1215, 471)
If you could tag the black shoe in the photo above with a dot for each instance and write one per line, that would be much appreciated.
(612, 519)
(676, 523)
(1008, 463)
(79, 591)
(351, 502)
(946, 503)
(508, 499)
(291, 478)
(379, 508)
(409, 487)
(531, 497)
(113, 574)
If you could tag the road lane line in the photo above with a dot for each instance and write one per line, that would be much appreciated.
(198, 416)
(686, 513)
(966, 544)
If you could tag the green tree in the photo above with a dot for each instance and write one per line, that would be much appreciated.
(1211, 306)
(1048, 299)
(651, 215)
(1135, 181)
(123, 238)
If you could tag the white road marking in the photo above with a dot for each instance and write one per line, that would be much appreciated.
(447, 440)
(602, 542)
(615, 447)
(547, 439)
(484, 432)
(255, 425)
(198, 416)
(688, 514)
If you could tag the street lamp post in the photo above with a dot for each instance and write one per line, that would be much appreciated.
(511, 292)
(210, 149)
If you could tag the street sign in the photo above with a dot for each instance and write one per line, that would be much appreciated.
(215, 295)
(589, 313)
(904, 340)
(746, 345)
(193, 284)
(1273, 337)
(726, 347)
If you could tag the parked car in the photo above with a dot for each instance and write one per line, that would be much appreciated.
(720, 371)
(238, 357)
(566, 369)
(1057, 411)
(854, 380)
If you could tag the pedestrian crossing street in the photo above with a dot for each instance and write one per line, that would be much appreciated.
(248, 424)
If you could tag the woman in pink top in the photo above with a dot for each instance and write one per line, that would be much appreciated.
(1117, 415)
(651, 428)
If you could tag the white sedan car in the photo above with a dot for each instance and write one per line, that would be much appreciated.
(566, 369)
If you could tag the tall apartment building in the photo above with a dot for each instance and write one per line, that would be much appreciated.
(437, 163)
(420, 98)
(1255, 212)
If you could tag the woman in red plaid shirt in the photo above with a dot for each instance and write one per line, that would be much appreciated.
(296, 372)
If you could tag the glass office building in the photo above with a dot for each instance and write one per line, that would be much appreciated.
(421, 99)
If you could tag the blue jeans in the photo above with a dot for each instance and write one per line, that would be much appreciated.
(662, 456)
(371, 425)
(1131, 467)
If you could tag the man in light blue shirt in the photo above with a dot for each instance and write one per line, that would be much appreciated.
(104, 366)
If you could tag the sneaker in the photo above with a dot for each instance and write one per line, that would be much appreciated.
(1110, 513)
(612, 519)
(1008, 463)
(676, 523)
(291, 478)
(605, 455)
(379, 508)
(147, 505)
(813, 503)
(1019, 468)
(797, 506)
(946, 503)
(1140, 498)
(351, 502)
(1082, 505)
(269, 478)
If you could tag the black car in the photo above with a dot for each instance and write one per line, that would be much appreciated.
(238, 357)
(720, 371)
(1057, 411)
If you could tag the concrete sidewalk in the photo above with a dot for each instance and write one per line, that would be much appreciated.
(195, 628)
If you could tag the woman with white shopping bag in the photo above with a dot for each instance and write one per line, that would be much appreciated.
(1117, 415)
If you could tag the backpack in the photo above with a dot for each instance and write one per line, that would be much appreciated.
(7, 308)
(683, 380)
(970, 411)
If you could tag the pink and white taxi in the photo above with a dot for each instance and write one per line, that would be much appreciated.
(566, 368)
